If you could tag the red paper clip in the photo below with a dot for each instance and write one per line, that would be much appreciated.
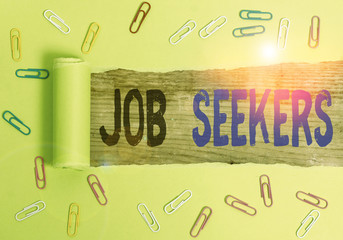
(198, 219)
(316, 203)
(38, 179)
(100, 187)
(262, 184)
(145, 12)
(232, 204)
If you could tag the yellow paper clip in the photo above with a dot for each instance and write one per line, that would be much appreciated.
(269, 190)
(15, 44)
(210, 25)
(172, 208)
(283, 33)
(50, 15)
(70, 219)
(314, 37)
(310, 225)
(207, 216)
(31, 213)
(186, 26)
(153, 221)
(91, 35)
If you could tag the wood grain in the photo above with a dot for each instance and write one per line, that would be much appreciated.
(180, 87)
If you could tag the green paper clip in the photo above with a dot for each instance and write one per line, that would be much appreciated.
(245, 14)
(9, 120)
(37, 75)
(244, 31)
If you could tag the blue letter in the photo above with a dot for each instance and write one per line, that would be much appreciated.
(201, 140)
(280, 118)
(237, 118)
(257, 116)
(219, 118)
(301, 119)
(325, 139)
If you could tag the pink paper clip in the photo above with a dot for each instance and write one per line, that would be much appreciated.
(232, 204)
(262, 184)
(318, 200)
(94, 191)
(38, 179)
(203, 223)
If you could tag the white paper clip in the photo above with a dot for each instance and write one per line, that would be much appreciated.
(30, 213)
(170, 204)
(53, 15)
(309, 226)
(150, 223)
(283, 33)
(190, 29)
(210, 25)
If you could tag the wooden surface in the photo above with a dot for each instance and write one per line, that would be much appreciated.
(180, 87)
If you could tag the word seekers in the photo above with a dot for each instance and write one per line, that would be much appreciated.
(256, 116)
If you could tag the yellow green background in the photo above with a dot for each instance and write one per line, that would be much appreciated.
(127, 186)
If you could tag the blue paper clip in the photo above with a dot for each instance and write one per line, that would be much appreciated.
(37, 75)
(245, 14)
(9, 120)
(244, 31)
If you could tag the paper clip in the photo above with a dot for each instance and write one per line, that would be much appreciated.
(245, 14)
(38, 179)
(311, 35)
(210, 25)
(70, 218)
(317, 199)
(15, 46)
(145, 12)
(38, 73)
(151, 215)
(232, 204)
(207, 216)
(31, 213)
(269, 188)
(170, 204)
(100, 187)
(14, 118)
(190, 29)
(91, 35)
(54, 15)
(283, 33)
(310, 225)
(245, 31)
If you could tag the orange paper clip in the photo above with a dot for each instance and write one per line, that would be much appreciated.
(15, 44)
(38, 179)
(312, 36)
(91, 35)
(97, 182)
(140, 10)
(70, 219)
(316, 203)
(238, 201)
(207, 216)
(269, 189)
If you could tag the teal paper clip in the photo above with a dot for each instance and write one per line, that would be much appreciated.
(14, 118)
(255, 15)
(38, 73)
(245, 31)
